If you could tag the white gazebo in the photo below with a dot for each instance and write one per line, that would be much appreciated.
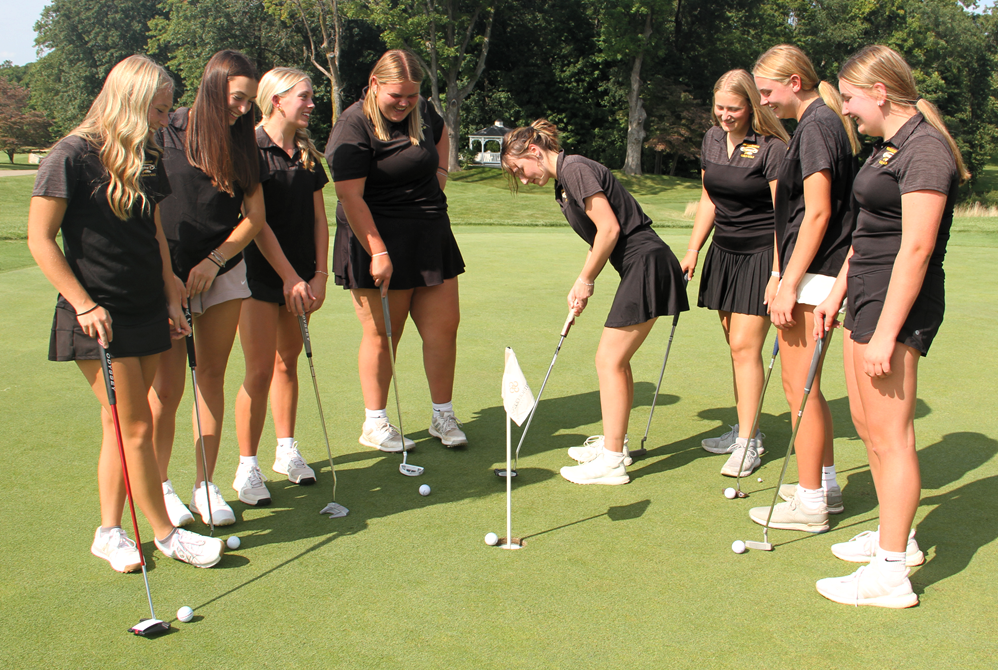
(490, 135)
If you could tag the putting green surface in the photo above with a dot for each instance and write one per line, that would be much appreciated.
(639, 576)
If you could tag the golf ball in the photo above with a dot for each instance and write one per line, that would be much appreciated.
(729, 493)
(759, 480)
(185, 614)
(424, 490)
(491, 539)
(233, 542)
(738, 547)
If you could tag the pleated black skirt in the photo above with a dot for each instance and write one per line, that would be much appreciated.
(651, 282)
(733, 282)
(131, 336)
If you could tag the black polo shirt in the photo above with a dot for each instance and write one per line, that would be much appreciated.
(401, 177)
(739, 188)
(579, 178)
(117, 262)
(917, 158)
(197, 217)
(288, 192)
(819, 143)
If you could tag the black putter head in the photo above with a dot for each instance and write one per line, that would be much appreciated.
(150, 628)
(637, 453)
(501, 472)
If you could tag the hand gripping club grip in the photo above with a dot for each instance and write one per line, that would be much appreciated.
(192, 357)
(568, 323)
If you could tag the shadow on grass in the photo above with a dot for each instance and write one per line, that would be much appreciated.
(618, 513)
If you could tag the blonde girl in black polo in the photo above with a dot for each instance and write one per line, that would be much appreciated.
(100, 186)
(894, 282)
(814, 222)
(741, 158)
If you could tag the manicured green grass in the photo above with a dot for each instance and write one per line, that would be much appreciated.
(636, 576)
(20, 163)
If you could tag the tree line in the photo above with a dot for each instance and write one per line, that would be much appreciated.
(628, 82)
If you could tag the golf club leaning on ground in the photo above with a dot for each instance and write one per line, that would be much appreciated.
(819, 354)
(405, 468)
(192, 362)
(501, 472)
(755, 422)
(151, 626)
(333, 509)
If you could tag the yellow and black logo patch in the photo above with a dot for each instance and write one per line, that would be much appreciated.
(749, 150)
(887, 155)
(148, 169)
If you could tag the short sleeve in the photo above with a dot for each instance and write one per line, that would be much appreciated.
(926, 164)
(349, 151)
(776, 151)
(815, 149)
(579, 181)
(320, 176)
(433, 120)
(61, 169)
(703, 150)
(161, 187)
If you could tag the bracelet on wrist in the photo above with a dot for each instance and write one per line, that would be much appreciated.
(380, 253)
(87, 311)
(696, 251)
(774, 274)
(584, 282)
(217, 258)
(215, 261)
(320, 272)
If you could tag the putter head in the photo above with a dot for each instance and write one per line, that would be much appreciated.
(740, 494)
(410, 470)
(150, 628)
(761, 546)
(637, 453)
(501, 472)
(334, 510)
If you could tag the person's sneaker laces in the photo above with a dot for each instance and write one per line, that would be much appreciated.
(866, 587)
(249, 482)
(446, 427)
(593, 447)
(175, 508)
(863, 548)
(596, 471)
(291, 463)
(117, 549)
(221, 513)
(750, 455)
(792, 516)
(380, 434)
(198, 550)
(725, 444)
(833, 497)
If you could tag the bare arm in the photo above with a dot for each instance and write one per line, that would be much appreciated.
(774, 277)
(443, 151)
(318, 282)
(702, 226)
(175, 298)
(351, 194)
(607, 232)
(297, 292)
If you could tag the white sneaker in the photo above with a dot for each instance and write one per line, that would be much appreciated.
(221, 513)
(249, 482)
(592, 448)
(792, 515)
(596, 471)
(833, 497)
(863, 547)
(725, 444)
(446, 427)
(117, 549)
(198, 550)
(866, 587)
(290, 462)
(179, 514)
(752, 461)
(380, 434)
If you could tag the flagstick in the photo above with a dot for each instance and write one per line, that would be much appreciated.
(509, 488)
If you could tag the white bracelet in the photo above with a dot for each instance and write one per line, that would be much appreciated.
(696, 251)
(380, 253)
(774, 274)
(584, 282)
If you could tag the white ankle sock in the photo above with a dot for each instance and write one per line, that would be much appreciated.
(285, 443)
(890, 565)
(811, 498)
(374, 414)
(443, 407)
(828, 481)
(613, 458)
(248, 460)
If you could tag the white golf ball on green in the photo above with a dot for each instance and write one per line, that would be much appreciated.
(185, 614)
(491, 539)
(233, 542)
(738, 547)
(424, 490)
(729, 493)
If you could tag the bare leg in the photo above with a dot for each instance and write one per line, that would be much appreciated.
(164, 399)
(258, 337)
(616, 383)
(436, 312)
(372, 359)
(284, 387)
(746, 335)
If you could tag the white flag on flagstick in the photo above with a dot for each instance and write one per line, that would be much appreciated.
(517, 398)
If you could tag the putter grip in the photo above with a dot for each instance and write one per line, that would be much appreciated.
(105, 363)
(568, 323)
(306, 340)
(192, 356)
(776, 347)
(815, 359)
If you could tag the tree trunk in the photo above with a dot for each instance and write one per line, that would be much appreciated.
(675, 161)
(636, 114)
(658, 162)
(331, 28)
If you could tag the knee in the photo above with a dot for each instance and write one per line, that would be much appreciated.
(257, 379)
(744, 350)
(609, 363)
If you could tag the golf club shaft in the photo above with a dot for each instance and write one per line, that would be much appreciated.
(661, 375)
(307, 341)
(192, 362)
(758, 411)
(112, 401)
(391, 359)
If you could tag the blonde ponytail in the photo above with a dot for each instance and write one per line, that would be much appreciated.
(278, 82)
(834, 102)
(935, 119)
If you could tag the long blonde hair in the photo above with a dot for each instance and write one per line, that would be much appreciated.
(118, 123)
(781, 62)
(394, 67)
(278, 82)
(764, 122)
(517, 143)
(879, 64)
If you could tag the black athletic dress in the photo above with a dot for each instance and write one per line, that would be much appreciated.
(651, 279)
(405, 199)
(917, 158)
(117, 262)
(288, 194)
(739, 262)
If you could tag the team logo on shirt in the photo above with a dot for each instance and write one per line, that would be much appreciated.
(749, 150)
(887, 155)
(148, 169)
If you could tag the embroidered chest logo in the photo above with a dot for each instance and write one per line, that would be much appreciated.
(749, 150)
(887, 155)
(148, 169)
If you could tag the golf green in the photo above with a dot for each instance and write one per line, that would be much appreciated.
(636, 576)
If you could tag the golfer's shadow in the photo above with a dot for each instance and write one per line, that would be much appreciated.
(617, 513)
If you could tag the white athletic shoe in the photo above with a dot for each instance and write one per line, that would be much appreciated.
(752, 460)
(221, 513)
(249, 482)
(290, 462)
(725, 444)
(115, 547)
(198, 550)
(596, 471)
(179, 514)
(863, 548)
(866, 587)
(446, 427)
(792, 516)
(593, 447)
(380, 434)
(833, 497)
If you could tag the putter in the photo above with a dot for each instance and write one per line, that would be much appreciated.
(819, 354)
(151, 626)
(333, 509)
(755, 423)
(501, 472)
(641, 451)
(405, 467)
(192, 362)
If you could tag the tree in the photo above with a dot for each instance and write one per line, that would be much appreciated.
(19, 126)
(678, 125)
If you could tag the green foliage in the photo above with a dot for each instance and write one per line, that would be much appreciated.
(20, 127)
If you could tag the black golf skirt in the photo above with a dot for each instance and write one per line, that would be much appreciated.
(423, 253)
(131, 336)
(651, 282)
(736, 283)
(866, 293)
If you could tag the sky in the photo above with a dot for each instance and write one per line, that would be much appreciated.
(18, 44)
